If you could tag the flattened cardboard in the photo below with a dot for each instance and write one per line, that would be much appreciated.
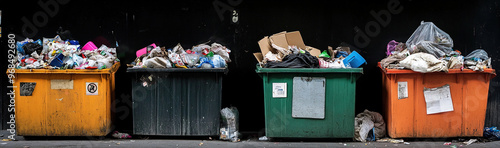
(294, 38)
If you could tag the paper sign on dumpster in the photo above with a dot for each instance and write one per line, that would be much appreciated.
(438, 99)
(279, 90)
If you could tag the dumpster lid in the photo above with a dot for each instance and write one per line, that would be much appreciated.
(308, 70)
(451, 71)
(69, 71)
(131, 70)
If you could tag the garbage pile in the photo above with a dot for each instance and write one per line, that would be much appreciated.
(491, 133)
(369, 126)
(429, 49)
(287, 50)
(199, 56)
(55, 53)
(230, 124)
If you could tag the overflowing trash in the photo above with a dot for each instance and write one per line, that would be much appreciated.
(55, 53)
(199, 56)
(430, 49)
(369, 126)
(230, 127)
(287, 50)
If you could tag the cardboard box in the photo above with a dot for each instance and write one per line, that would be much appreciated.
(283, 39)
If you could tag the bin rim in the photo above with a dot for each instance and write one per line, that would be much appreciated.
(199, 70)
(259, 69)
(450, 71)
(111, 70)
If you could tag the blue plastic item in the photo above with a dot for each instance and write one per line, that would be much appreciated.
(57, 61)
(491, 133)
(354, 60)
(19, 47)
(341, 54)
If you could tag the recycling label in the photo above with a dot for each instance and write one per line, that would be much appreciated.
(91, 88)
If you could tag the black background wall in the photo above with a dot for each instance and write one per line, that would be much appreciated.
(136, 24)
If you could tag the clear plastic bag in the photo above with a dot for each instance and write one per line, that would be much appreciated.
(430, 39)
(230, 124)
(476, 55)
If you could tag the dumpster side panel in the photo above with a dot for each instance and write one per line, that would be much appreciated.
(340, 94)
(143, 106)
(276, 122)
(30, 111)
(445, 124)
(400, 112)
(475, 101)
(189, 104)
(65, 105)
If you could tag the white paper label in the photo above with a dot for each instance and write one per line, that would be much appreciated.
(279, 90)
(438, 100)
(402, 90)
(91, 88)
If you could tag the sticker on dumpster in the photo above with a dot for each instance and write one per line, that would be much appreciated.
(27, 88)
(279, 90)
(91, 88)
(402, 90)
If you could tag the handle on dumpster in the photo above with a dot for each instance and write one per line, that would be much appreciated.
(115, 67)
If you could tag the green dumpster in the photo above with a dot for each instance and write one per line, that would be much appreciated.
(309, 102)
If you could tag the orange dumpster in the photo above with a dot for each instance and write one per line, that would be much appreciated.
(408, 118)
(64, 102)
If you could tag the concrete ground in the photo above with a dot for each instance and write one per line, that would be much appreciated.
(199, 142)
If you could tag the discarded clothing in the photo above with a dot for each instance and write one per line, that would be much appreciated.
(369, 121)
(395, 58)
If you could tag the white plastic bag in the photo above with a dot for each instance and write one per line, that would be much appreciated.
(430, 39)
(424, 62)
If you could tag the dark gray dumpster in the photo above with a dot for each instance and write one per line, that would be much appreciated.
(176, 102)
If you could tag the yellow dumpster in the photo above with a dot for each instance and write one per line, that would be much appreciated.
(64, 102)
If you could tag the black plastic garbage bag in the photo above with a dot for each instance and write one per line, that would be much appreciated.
(32, 47)
(300, 60)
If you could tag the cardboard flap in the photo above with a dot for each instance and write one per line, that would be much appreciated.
(280, 40)
(258, 56)
(294, 38)
(265, 46)
(313, 51)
